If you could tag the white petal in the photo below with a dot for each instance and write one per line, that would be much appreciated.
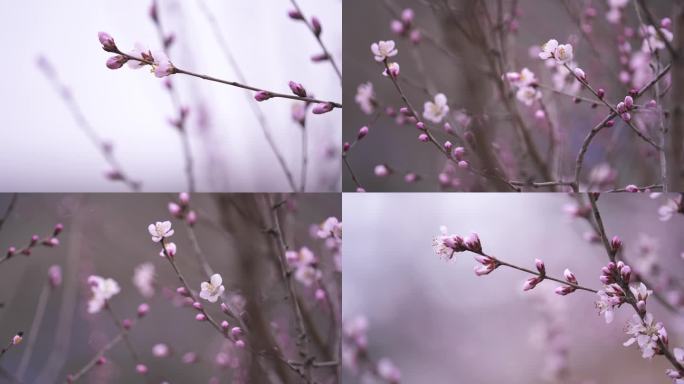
(679, 354)
(440, 99)
(216, 280)
(152, 229)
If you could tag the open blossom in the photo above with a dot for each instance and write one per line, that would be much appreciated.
(143, 279)
(140, 52)
(646, 334)
(365, 97)
(445, 245)
(561, 52)
(103, 290)
(607, 302)
(528, 95)
(212, 289)
(437, 110)
(330, 228)
(160, 230)
(307, 275)
(162, 65)
(665, 212)
(520, 79)
(383, 49)
(301, 258)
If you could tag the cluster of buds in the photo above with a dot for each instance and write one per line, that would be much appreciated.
(316, 28)
(404, 26)
(459, 155)
(533, 281)
(624, 107)
(180, 209)
(567, 289)
(139, 57)
(48, 241)
(614, 273)
(488, 264)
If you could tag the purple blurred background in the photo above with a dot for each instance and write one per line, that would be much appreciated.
(439, 323)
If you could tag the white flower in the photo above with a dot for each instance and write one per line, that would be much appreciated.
(139, 52)
(606, 304)
(160, 230)
(170, 250)
(212, 289)
(103, 290)
(617, 3)
(528, 95)
(563, 53)
(435, 111)
(652, 39)
(365, 97)
(383, 49)
(143, 279)
(331, 227)
(668, 210)
(645, 333)
(548, 49)
(307, 275)
(522, 78)
(641, 292)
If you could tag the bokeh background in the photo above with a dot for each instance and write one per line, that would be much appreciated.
(440, 323)
(44, 150)
(106, 235)
(466, 87)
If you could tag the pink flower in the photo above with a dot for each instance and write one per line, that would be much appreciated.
(322, 108)
(383, 50)
(162, 65)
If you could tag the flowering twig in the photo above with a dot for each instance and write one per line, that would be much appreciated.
(97, 359)
(315, 27)
(15, 340)
(49, 241)
(106, 149)
(162, 67)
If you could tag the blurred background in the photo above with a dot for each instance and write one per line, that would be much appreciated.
(106, 235)
(440, 323)
(462, 76)
(44, 149)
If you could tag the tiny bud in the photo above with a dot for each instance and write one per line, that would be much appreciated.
(666, 23)
(320, 295)
(601, 93)
(322, 108)
(448, 145)
(295, 15)
(363, 131)
(407, 16)
(629, 102)
(224, 325)
(58, 229)
(225, 308)
(297, 89)
(197, 306)
(346, 147)
(240, 344)
(615, 243)
(632, 188)
(175, 210)
(423, 137)
(200, 317)
(316, 26)
(34, 240)
(107, 42)
(236, 331)
(116, 62)
(626, 273)
(141, 369)
(184, 198)
(420, 125)
(191, 218)
(262, 96)
(182, 291)
(540, 266)
(448, 128)
(459, 152)
(463, 164)
(143, 309)
(416, 36)
(651, 104)
(641, 306)
(17, 339)
(580, 74)
(101, 360)
(55, 276)
(626, 116)
(11, 251)
(621, 107)
(569, 276)
(609, 123)
(126, 324)
(405, 111)
(633, 92)
(472, 243)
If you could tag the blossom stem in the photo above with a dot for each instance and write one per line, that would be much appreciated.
(33, 332)
(536, 273)
(318, 38)
(124, 331)
(86, 368)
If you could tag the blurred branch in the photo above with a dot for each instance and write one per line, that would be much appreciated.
(9, 209)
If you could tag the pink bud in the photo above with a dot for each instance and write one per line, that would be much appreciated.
(316, 26)
(184, 198)
(224, 325)
(569, 276)
(101, 360)
(416, 36)
(320, 294)
(240, 344)
(11, 251)
(143, 309)
(621, 107)
(420, 125)
(615, 243)
(423, 137)
(346, 147)
(297, 89)
(448, 128)
(58, 229)
(191, 218)
(116, 62)
(448, 145)
(126, 324)
(666, 23)
(322, 108)
(632, 188)
(641, 305)
(459, 152)
(107, 42)
(580, 74)
(182, 291)
(262, 95)
(626, 273)
(629, 102)
(55, 276)
(175, 210)
(609, 123)
(407, 16)
(472, 243)
(363, 131)
(463, 164)
(141, 369)
(540, 266)
(295, 15)
(197, 306)
(405, 111)
(236, 331)
(320, 57)
(601, 93)
(225, 308)
(200, 317)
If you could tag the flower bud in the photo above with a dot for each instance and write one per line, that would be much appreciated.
(126, 324)
(629, 102)
(463, 164)
(322, 108)
(295, 15)
(632, 188)
(615, 244)
(240, 344)
(141, 369)
(472, 243)
(236, 331)
(580, 74)
(175, 210)
(55, 276)
(197, 306)
(191, 218)
(320, 295)
(58, 229)
(316, 26)
(143, 309)
(200, 317)
(107, 42)
(224, 325)
(540, 266)
(601, 93)
(423, 137)
(626, 273)
(297, 89)
(363, 131)
(448, 146)
(569, 276)
(420, 125)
